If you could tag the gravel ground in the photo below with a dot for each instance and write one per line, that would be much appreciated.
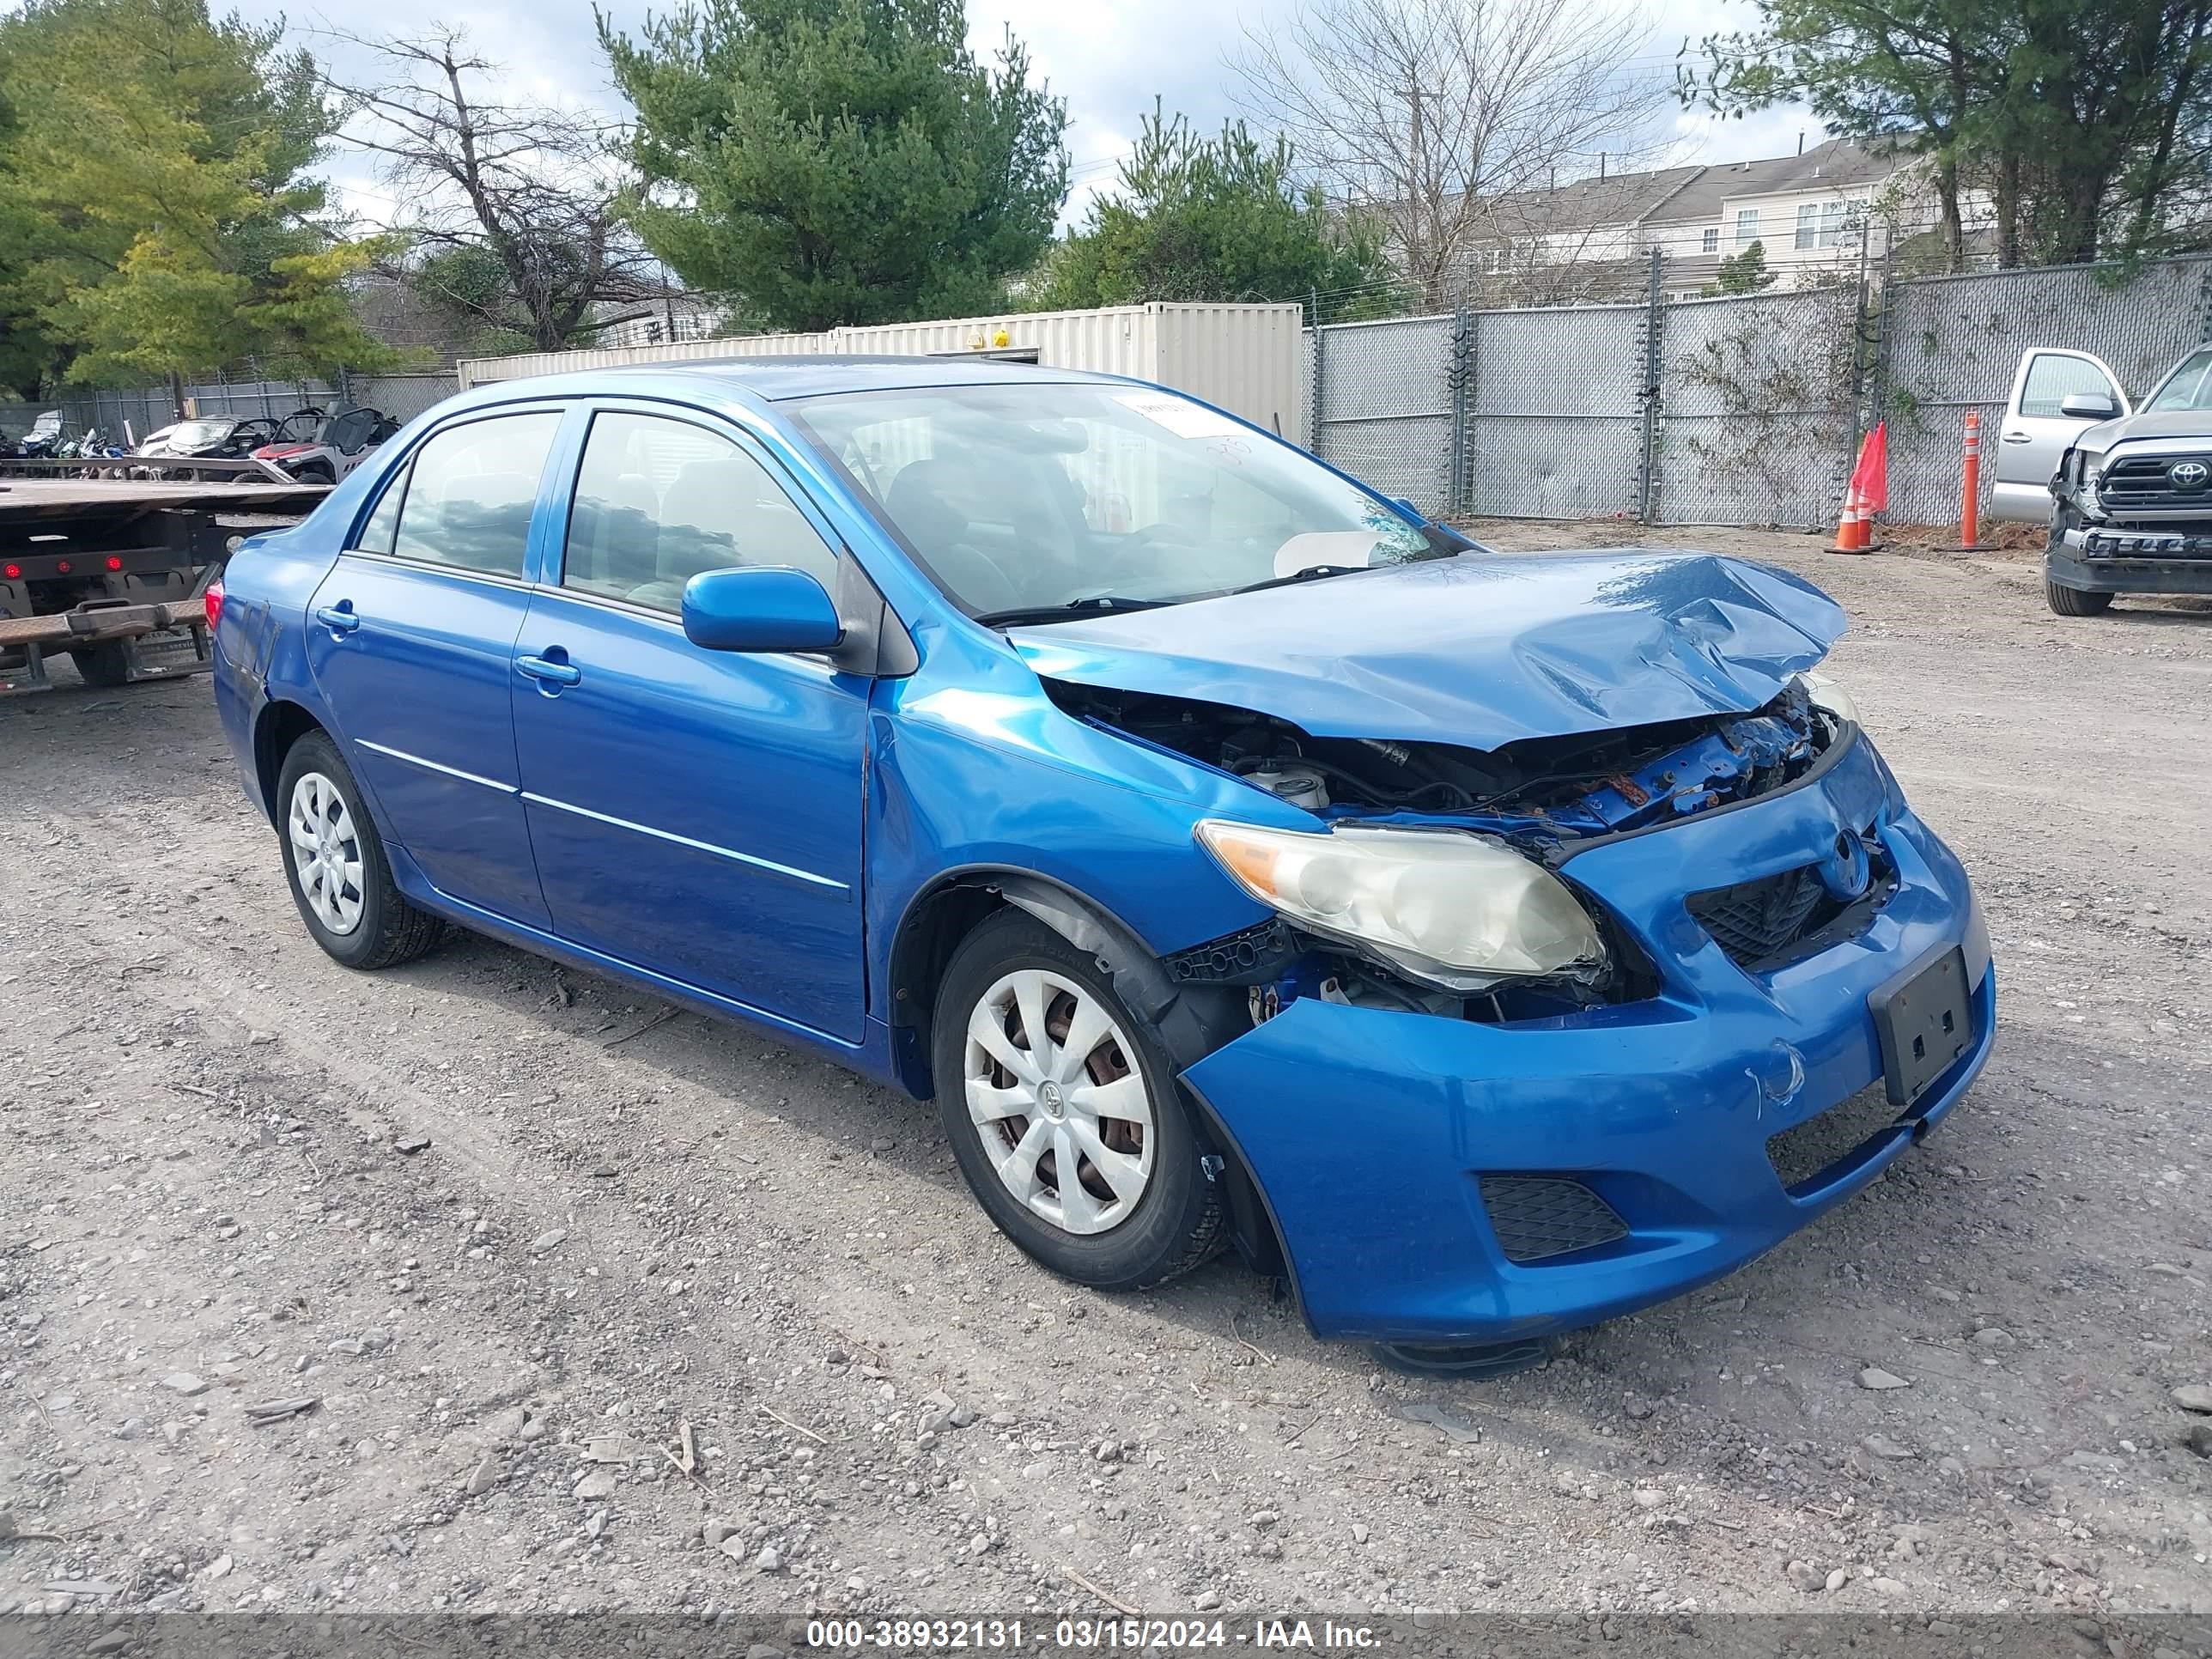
(628, 1238)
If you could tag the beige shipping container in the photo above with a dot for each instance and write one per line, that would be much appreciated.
(482, 371)
(1248, 359)
(1245, 358)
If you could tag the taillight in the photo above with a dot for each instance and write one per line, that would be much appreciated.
(214, 600)
(13, 573)
(62, 567)
(114, 562)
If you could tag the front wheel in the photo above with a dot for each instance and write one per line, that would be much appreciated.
(2073, 602)
(335, 865)
(1064, 1112)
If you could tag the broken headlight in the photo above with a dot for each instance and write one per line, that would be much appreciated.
(1455, 910)
(1826, 691)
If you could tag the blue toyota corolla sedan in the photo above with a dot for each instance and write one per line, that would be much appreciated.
(1486, 945)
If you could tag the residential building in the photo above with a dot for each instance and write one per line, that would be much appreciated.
(1815, 216)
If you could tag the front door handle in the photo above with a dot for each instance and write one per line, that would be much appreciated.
(548, 673)
(2017, 438)
(339, 618)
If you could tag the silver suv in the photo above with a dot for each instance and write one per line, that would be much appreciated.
(2133, 488)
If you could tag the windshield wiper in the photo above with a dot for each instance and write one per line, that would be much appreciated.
(1100, 604)
(1312, 573)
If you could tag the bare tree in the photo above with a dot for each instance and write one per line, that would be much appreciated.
(510, 212)
(1425, 112)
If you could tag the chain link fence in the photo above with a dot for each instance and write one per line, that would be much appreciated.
(1955, 344)
(139, 410)
(1743, 409)
(1555, 426)
(1385, 408)
(1758, 406)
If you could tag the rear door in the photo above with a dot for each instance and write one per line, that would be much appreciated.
(2035, 433)
(696, 813)
(411, 641)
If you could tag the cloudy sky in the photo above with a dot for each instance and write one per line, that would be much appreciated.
(1107, 58)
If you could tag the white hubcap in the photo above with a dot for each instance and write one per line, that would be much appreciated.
(1054, 1094)
(325, 853)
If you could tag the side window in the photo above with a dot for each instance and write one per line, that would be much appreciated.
(660, 501)
(473, 487)
(383, 525)
(2052, 378)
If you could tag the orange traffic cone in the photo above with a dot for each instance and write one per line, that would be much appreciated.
(1867, 494)
(1851, 525)
(1874, 489)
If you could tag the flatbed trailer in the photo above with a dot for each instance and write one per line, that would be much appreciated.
(114, 570)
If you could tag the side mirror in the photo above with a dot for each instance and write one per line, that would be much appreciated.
(761, 607)
(2087, 406)
(1409, 509)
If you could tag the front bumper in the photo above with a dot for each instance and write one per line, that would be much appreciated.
(2100, 558)
(1369, 1131)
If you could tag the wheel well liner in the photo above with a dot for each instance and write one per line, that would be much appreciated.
(276, 729)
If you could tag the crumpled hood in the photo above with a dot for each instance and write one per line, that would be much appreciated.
(1480, 650)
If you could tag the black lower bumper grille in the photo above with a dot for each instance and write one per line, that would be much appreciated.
(1539, 1216)
(2145, 542)
(1758, 919)
(1804, 1156)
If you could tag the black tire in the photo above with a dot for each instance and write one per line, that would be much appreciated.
(318, 472)
(391, 930)
(2073, 602)
(106, 665)
(1176, 1222)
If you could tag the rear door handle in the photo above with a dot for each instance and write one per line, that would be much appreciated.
(339, 618)
(2017, 438)
(546, 671)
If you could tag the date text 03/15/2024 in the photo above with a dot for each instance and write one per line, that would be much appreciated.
(1138, 1634)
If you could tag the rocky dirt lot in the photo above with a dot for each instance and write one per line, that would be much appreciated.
(602, 1306)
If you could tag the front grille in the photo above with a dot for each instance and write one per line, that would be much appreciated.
(1539, 1216)
(1758, 919)
(1804, 1157)
(2147, 481)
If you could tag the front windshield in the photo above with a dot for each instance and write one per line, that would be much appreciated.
(2189, 386)
(1034, 496)
(200, 432)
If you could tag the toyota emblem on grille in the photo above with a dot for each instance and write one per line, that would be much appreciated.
(2189, 475)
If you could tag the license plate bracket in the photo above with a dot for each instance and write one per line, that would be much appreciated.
(1924, 1018)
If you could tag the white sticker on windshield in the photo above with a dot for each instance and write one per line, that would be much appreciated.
(1181, 416)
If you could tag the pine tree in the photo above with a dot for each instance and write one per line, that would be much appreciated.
(820, 162)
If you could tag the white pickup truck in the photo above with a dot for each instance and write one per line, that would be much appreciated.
(2127, 491)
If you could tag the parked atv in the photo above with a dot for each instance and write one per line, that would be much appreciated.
(335, 446)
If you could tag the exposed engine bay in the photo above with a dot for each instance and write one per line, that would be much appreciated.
(1542, 795)
(1535, 793)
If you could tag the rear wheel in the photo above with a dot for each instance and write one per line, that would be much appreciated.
(335, 863)
(2073, 602)
(1064, 1112)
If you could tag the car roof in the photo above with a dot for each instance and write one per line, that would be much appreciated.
(778, 378)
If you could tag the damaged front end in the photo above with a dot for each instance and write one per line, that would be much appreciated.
(1436, 879)
(2133, 510)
